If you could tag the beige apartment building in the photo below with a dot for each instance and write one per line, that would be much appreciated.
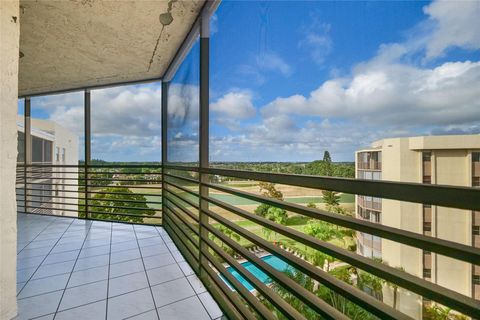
(48, 187)
(447, 160)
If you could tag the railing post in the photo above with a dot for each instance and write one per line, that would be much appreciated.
(87, 128)
(204, 132)
(27, 161)
(164, 140)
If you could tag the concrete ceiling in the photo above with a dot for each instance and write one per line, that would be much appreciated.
(80, 43)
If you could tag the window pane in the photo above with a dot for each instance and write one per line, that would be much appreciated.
(126, 123)
(183, 110)
(37, 149)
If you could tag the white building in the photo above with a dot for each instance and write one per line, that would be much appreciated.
(49, 190)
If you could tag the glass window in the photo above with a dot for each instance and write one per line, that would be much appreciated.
(21, 146)
(59, 119)
(426, 156)
(37, 149)
(476, 156)
(126, 123)
(476, 181)
(57, 154)
(183, 110)
(476, 230)
(47, 151)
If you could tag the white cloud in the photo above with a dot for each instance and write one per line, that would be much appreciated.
(454, 23)
(393, 94)
(316, 40)
(126, 111)
(237, 105)
(273, 62)
(259, 66)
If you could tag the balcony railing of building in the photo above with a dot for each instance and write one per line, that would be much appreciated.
(192, 220)
(129, 193)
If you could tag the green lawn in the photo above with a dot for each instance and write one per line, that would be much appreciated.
(239, 201)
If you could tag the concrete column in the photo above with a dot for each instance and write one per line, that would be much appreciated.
(9, 55)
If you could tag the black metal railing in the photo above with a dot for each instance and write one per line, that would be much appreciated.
(214, 250)
(127, 193)
(203, 233)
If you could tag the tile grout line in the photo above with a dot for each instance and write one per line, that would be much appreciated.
(146, 273)
(37, 235)
(73, 268)
(43, 260)
(51, 264)
(108, 274)
(96, 301)
(186, 276)
(118, 295)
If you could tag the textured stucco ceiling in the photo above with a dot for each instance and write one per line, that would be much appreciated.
(80, 43)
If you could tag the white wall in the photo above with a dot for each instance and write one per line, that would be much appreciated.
(9, 53)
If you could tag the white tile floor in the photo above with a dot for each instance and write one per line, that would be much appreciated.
(77, 269)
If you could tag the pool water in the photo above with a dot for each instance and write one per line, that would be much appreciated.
(275, 262)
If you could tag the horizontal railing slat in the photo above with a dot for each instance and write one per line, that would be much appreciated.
(441, 195)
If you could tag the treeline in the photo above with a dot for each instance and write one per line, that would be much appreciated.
(317, 167)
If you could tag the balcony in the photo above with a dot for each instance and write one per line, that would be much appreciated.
(163, 230)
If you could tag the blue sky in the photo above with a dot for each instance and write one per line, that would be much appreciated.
(291, 79)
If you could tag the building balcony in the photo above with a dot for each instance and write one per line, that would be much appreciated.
(121, 213)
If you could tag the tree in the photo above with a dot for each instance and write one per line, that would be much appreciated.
(325, 232)
(277, 215)
(322, 230)
(268, 190)
(438, 312)
(262, 210)
(331, 199)
(110, 201)
(336, 300)
(291, 298)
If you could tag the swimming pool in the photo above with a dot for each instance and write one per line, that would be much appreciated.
(274, 261)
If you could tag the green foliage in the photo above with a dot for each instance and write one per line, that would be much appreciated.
(107, 203)
(317, 167)
(312, 205)
(322, 230)
(438, 312)
(278, 215)
(267, 211)
(345, 306)
(331, 199)
(268, 189)
(229, 233)
(262, 210)
(326, 157)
